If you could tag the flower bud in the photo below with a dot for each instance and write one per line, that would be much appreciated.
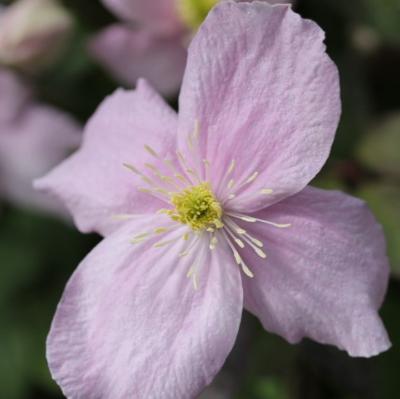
(32, 33)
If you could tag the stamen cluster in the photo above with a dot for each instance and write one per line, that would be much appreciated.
(197, 207)
(192, 202)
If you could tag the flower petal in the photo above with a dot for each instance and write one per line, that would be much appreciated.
(13, 96)
(325, 276)
(264, 93)
(30, 145)
(93, 182)
(134, 53)
(158, 15)
(131, 325)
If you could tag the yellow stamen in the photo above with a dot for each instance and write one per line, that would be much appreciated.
(151, 151)
(197, 207)
(131, 168)
(213, 243)
(260, 252)
(266, 191)
(160, 244)
(160, 230)
(231, 167)
(246, 270)
(252, 177)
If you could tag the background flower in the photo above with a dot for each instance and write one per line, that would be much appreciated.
(32, 33)
(33, 139)
(152, 40)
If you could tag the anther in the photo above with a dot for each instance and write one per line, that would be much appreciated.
(160, 244)
(160, 230)
(252, 177)
(132, 168)
(246, 270)
(266, 191)
(151, 151)
(213, 243)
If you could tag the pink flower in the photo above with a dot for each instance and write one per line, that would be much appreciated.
(32, 33)
(156, 47)
(33, 139)
(212, 213)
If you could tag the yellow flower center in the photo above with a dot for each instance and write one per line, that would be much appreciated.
(197, 207)
(193, 12)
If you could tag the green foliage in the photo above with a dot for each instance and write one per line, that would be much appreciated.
(34, 268)
(380, 148)
(384, 17)
(270, 388)
(384, 200)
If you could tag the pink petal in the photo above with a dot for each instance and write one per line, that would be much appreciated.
(93, 182)
(13, 96)
(265, 94)
(30, 145)
(130, 54)
(131, 325)
(158, 15)
(325, 276)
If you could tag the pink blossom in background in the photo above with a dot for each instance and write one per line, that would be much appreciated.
(32, 33)
(151, 42)
(33, 138)
(208, 212)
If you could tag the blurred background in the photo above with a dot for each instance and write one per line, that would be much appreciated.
(57, 63)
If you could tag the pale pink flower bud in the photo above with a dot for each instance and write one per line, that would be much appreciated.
(32, 33)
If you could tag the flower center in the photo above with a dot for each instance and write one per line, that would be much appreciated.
(193, 12)
(192, 202)
(197, 207)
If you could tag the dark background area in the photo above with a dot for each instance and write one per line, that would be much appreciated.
(38, 253)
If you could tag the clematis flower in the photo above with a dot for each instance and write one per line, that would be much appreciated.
(152, 40)
(33, 139)
(208, 211)
(32, 32)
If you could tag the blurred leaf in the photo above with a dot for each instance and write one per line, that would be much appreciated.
(384, 17)
(355, 104)
(268, 368)
(388, 371)
(75, 84)
(270, 388)
(327, 181)
(384, 200)
(13, 384)
(380, 149)
(19, 254)
(35, 265)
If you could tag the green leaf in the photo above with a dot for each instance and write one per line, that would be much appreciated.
(384, 17)
(37, 254)
(384, 200)
(263, 378)
(270, 388)
(13, 384)
(380, 149)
